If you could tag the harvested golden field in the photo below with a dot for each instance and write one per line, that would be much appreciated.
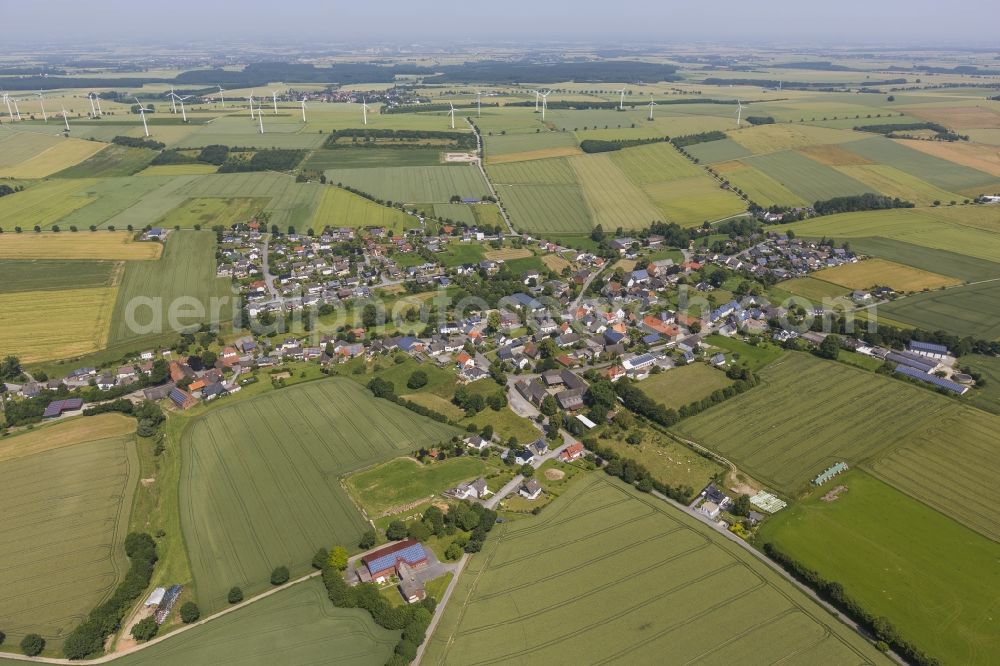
(112, 246)
(832, 155)
(974, 155)
(507, 254)
(524, 156)
(66, 153)
(969, 117)
(41, 326)
(555, 263)
(866, 274)
(66, 433)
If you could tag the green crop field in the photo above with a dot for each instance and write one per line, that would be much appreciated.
(812, 289)
(936, 171)
(916, 226)
(291, 203)
(614, 200)
(240, 131)
(66, 511)
(754, 357)
(951, 465)
(430, 184)
(806, 177)
(340, 208)
(118, 202)
(514, 147)
(554, 171)
(260, 480)
(461, 213)
(965, 310)
(880, 544)
(112, 161)
(547, 208)
(360, 158)
(44, 204)
(895, 183)
(209, 212)
(54, 274)
(404, 481)
(722, 150)
(762, 139)
(902, 278)
(759, 186)
(185, 271)
(681, 386)
(986, 396)
(963, 267)
(608, 574)
(18, 147)
(294, 627)
(808, 414)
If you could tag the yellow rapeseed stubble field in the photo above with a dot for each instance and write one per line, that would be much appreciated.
(40, 326)
(112, 246)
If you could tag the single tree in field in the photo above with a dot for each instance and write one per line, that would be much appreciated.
(145, 629)
(235, 595)
(338, 558)
(279, 576)
(417, 380)
(190, 612)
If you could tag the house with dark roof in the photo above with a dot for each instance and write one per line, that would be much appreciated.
(530, 489)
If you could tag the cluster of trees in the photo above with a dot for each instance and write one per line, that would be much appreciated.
(10, 369)
(383, 388)
(412, 620)
(701, 137)
(760, 120)
(368, 137)
(834, 593)
(270, 159)
(138, 142)
(147, 413)
(88, 637)
(489, 288)
(215, 154)
(7, 189)
(634, 473)
(473, 403)
(602, 146)
(893, 130)
(867, 201)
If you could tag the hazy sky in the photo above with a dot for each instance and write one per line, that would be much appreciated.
(791, 21)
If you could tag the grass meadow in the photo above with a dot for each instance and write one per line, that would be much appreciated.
(759, 186)
(667, 460)
(260, 480)
(965, 310)
(61, 542)
(405, 481)
(879, 544)
(17, 275)
(210, 211)
(43, 204)
(986, 396)
(681, 386)
(361, 158)
(809, 414)
(805, 177)
(605, 573)
(613, 199)
(291, 203)
(559, 209)
(186, 270)
(113, 161)
(340, 208)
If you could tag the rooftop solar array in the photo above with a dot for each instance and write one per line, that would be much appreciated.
(411, 555)
(932, 379)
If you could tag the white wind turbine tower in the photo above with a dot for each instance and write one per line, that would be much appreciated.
(303, 102)
(364, 109)
(452, 114)
(260, 116)
(41, 101)
(739, 112)
(142, 112)
(184, 115)
(97, 98)
(621, 102)
(651, 105)
(251, 104)
(65, 118)
(17, 112)
(173, 100)
(274, 96)
(222, 97)
(93, 109)
(6, 100)
(545, 105)
(537, 96)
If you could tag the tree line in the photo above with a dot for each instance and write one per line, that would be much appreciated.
(137, 142)
(859, 202)
(893, 130)
(270, 159)
(602, 146)
(700, 137)
(635, 474)
(459, 140)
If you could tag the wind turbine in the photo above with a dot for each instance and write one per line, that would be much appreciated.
(651, 105)
(545, 105)
(183, 112)
(97, 97)
(17, 112)
(364, 109)
(142, 112)
(537, 95)
(452, 113)
(65, 118)
(251, 105)
(739, 112)
(41, 101)
(6, 100)
(274, 96)
(621, 103)
(222, 97)
(260, 116)
(173, 100)
(303, 102)
(93, 109)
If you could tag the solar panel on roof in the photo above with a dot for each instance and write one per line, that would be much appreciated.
(410, 555)
(932, 379)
